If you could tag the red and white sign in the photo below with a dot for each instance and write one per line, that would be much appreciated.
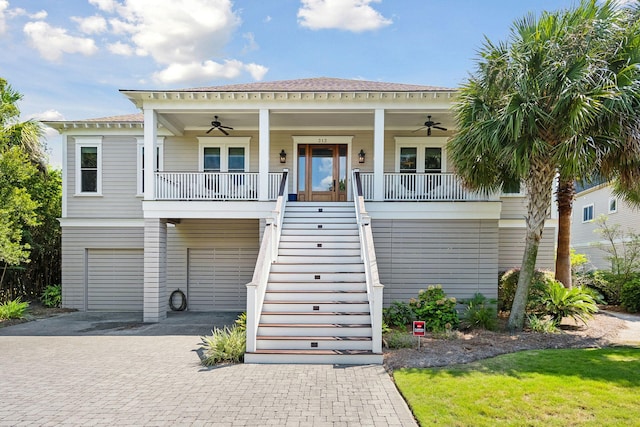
(418, 328)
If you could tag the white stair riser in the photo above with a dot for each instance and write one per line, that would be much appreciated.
(316, 286)
(305, 331)
(318, 252)
(319, 232)
(352, 247)
(319, 259)
(306, 345)
(292, 228)
(315, 319)
(312, 268)
(336, 217)
(311, 277)
(325, 239)
(317, 297)
(322, 308)
(339, 359)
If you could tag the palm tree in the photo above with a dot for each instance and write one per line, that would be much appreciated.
(530, 110)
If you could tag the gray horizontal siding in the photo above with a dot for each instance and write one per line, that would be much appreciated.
(115, 279)
(462, 256)
(512, 249)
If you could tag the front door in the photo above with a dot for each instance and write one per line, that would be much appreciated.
(322, 172)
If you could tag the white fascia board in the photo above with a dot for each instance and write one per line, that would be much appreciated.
(208, 210)
(522, 223)
(434, 210)
(101, 222)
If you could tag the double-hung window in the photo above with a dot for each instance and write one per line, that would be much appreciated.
(158, 162)
(88, 166)
(420, 155)
(587, 213)
(224, 154)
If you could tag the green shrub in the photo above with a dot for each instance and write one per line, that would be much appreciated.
(606, 283)
(509, 282)
(480, 312)
(399, 339)
(436, 310)
(13, 309)
(630, 296)
(399, 314)
(241, 321)
(52, 296)
(559, 302)
(224, 345)
(541, 324)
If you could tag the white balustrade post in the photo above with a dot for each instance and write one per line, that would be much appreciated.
(252, 316)
(263, 155)
(376, 322)
(150, 144)
(378, 156)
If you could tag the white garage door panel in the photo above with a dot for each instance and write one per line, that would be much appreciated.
(217, 278)
(115, 279)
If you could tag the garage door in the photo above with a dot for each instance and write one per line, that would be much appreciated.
(115, 279)
(217, 278)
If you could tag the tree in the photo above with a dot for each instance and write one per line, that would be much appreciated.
(529, 111)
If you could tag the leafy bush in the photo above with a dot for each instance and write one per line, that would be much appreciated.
(399, 339)
(224, 345)
(13, 309)
(399, 314)
(436, 310)
(630, 296)
(480, 313)
(509, 282)
(241, 321)
(52, 296)
(606, 283)
(541, 324)
(559, 302)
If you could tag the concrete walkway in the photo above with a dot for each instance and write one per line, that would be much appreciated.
(631, 334)
(87, 369)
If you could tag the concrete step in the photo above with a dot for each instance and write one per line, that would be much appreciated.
(317, 286)
(315, 342)
(318, 277)
(329, 357)
(305, 306)
(314, 317)
(317, 268)
(315, 329)
(319, 297)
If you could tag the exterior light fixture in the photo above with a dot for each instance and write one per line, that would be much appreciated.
(361, 156)
(283, 156)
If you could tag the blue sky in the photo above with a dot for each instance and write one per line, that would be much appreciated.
(69, 57)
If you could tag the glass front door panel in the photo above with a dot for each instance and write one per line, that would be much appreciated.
(322, 173)
(302, 169)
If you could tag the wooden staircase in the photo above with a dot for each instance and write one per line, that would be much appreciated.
(316, 308)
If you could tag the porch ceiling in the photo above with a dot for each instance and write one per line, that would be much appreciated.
(200, 120)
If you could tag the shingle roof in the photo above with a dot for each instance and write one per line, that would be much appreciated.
(319, 84)
(137, 117)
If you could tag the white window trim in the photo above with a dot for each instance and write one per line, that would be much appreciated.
(81, 142)
(522, 192)
(224, 143)
(140, 166)
(609, 210)
(593, 212)
(420, 143)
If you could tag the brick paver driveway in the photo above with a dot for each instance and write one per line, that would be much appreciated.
(119, 377)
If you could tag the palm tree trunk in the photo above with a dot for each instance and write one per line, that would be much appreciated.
(539, 183)
(565, 197)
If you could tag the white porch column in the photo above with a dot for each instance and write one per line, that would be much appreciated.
(263, 166)
(150, 144)
(155, 271)
(378, 155)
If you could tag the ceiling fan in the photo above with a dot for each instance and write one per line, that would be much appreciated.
(430, 124)
(215, 124)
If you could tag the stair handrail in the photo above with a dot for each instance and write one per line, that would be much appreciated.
(368, 255)
(268, 255)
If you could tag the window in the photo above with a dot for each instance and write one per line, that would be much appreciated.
(220, 154)
(158, 162)
(512, 187)
(89, 166)
(587, 213)
(420, 155)
(613, 205)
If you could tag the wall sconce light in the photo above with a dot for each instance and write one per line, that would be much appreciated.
(361, 156)
(283, 157)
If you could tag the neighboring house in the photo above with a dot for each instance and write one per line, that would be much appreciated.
(589, 205)
(229, 161)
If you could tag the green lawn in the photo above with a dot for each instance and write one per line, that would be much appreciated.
(598, 387)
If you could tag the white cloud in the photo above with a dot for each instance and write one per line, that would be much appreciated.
(4, 4)
(52, 42)
(350, 15)
(199, 72)
(119, 48)
(257, 71)
(251, 43)
(18, 11)
(48, 115)
(104, 5)
(92, 24)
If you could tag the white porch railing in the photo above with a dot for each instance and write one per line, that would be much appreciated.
(420, 187)
(212, 185)
(267, 256)
(368, 254)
